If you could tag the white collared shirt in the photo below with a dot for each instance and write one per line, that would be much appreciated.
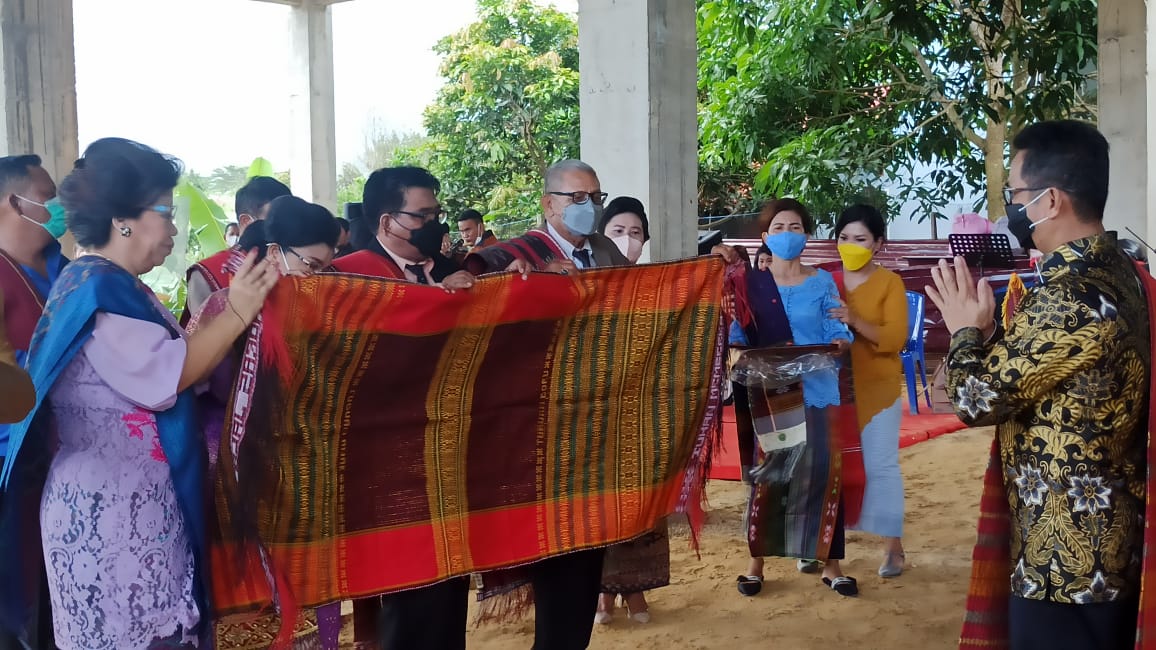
(402, 263)
(568, 248)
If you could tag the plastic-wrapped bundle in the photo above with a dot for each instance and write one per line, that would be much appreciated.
(776, 403)
(782, 365)
(797, 466)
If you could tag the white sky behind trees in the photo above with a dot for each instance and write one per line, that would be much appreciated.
(207, 80)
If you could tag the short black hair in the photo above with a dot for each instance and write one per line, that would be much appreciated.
(472, 215)
(256, 193)
(343, 223)
(1068, 155)
(116, 179)
(865, 214)
(622, 205)
(291, 221)
(768, 212)
(15, 168)
(385, 192)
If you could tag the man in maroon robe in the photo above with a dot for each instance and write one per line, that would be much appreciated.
(30, 260)
(210, 274)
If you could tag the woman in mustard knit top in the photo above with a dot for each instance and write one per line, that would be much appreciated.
(876, 310)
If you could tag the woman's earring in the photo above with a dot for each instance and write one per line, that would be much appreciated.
(125, 231)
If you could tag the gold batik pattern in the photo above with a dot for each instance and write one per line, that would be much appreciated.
(1067, 387)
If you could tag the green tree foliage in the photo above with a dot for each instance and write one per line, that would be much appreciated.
(350, 183)
(789, 95)
(508, 109)
(984, 70)
(827, 99)
(383, 145)
(383, 148)
(223, 181)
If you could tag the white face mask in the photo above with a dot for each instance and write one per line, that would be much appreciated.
(630, 247)
(231, 240)
(285, 270)
(1025, 210)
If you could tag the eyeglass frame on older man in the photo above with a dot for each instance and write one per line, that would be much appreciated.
(579, 197)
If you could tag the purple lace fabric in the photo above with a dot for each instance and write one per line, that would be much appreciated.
(120, 569)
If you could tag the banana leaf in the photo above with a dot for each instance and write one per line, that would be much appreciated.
(168, 286)
(206, 218)
(260, 167)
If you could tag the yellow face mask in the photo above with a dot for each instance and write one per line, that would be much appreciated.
(855, 256)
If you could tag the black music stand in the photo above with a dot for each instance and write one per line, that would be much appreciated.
(983, 251)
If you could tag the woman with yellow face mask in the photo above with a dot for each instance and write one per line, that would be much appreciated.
(876, 311)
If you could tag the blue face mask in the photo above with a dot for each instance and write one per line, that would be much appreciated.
(57, 223)
(786, 245)
(582, 218)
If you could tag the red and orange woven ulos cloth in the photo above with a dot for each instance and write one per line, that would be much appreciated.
(384, 435)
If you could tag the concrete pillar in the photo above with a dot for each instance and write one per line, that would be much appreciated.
(1127, 55)
(639, 108)
(38, 82)
(312, 121)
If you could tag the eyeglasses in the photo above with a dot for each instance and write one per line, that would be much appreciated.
(167, 211)
(439, 215)
(1009, 193)
(581, 197)
(313, 266)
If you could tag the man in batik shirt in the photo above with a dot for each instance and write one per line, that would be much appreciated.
(1067, 386)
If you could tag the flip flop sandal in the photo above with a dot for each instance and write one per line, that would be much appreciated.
(843, 585)
(750, 585)
(892, 570)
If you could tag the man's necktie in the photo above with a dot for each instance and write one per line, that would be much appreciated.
(419, 271)
(582, 256)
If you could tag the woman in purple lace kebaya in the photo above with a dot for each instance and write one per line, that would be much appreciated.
(121, 516)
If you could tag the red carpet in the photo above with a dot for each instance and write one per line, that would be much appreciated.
(913, 429)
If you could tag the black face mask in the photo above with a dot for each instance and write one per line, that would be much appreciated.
(428, 239)
(1020, 226)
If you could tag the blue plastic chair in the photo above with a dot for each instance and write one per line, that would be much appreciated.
(912, 353)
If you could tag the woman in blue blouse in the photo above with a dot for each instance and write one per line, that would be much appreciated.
(808, 295)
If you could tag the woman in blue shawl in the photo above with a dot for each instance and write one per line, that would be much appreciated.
(792, 302)
(106, 476)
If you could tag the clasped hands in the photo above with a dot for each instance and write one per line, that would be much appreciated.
(962, 302)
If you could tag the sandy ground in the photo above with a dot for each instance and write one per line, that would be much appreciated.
(920, 610)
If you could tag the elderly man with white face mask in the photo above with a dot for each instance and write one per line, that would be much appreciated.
(566, 587)
(568, 240)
